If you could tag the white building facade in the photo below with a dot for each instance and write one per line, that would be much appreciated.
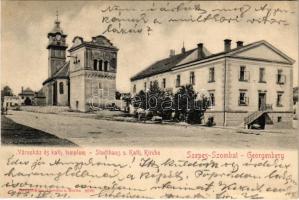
(244, 83)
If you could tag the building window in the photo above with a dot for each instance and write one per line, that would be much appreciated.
(243, 75)
(279, 119)
(100, 85)
(192, 78)
(106, 66)
(100, 65)
(212, 74)
(164, 83)
(212, 98)
(95, 65)
(61, 88)
(281, 79)
(279, 99)
(151, 84)
(134, 88)
(178, 81)
(243, 99)
(262, 75)
(145, 87)
(113, 63)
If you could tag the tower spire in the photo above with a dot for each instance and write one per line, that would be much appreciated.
(57, 28)
(57, 16)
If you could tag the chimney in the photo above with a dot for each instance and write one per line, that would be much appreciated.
(172, 52)
(200, 53)
(22, 89)
(227, 45)
(239, 44)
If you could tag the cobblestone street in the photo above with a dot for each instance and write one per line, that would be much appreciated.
(83, 130)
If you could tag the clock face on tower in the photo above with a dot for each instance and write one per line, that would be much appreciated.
(58, 37)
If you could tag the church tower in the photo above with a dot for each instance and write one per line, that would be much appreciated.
(93, 68)
(56, 48)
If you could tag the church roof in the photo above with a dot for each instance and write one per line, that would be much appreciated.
(56, 28)
(62, 73)
(97, 41)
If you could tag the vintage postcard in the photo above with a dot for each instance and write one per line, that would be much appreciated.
(153, 99)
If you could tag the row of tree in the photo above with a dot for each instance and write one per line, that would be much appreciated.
(184, 105)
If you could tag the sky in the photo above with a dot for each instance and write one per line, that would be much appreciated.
(24, 28)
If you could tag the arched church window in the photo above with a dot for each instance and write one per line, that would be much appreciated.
(106, 65)
(100, 65)
(61, 88)
(95, 62)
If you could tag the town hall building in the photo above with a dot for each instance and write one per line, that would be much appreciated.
(84, 81)
(245, 84)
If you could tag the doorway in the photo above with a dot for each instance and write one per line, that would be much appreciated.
(28, 101)
(262, 100)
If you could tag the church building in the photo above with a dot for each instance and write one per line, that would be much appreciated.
(87, 79)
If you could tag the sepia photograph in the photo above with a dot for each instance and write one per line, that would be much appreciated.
(158, 75)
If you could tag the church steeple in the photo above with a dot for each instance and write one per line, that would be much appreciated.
(57, 47)
(57, 28)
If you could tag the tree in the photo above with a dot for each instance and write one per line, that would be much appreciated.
(6, 91)
(155, 100)
(188, 105)
(117, 95)
(139, 101)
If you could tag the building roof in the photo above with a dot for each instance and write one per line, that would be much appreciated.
(174, 62)
(56, 28)
(62, 73)
(236, 50)
(163, 65)
(27, 91)
(97, 41)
